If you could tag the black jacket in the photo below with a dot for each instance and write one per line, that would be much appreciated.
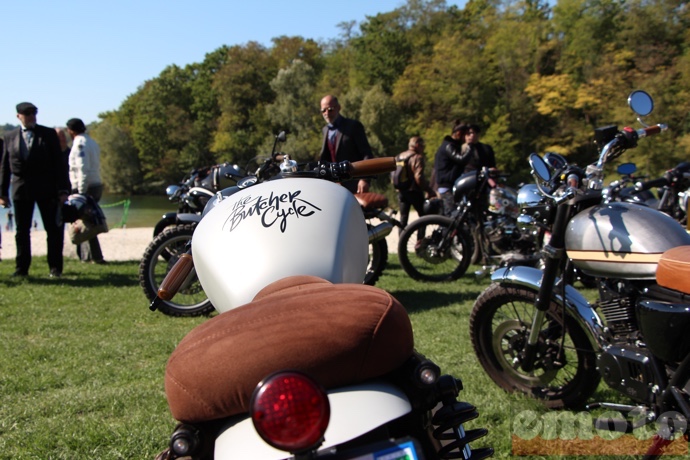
(350, 144)
(454, 159)
(447, 167)
(39, 176)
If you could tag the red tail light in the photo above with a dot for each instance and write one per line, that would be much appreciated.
(290, 411)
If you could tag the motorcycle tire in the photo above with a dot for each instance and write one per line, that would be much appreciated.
(378, 259)
(165, 254)
(565, 375)
(424, 260)
(191, 299)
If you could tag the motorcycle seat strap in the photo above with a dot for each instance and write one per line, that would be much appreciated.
(673, 270)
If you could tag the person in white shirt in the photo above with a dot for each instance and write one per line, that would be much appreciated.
(85, 175)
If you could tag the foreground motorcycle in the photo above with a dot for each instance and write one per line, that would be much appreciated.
(483, 228)
(304, 361)
(533, 332)
(167, 248)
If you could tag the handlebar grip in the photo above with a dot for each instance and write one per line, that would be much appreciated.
(660, 182)
(176, 276)
(651, 130)
(372, 167)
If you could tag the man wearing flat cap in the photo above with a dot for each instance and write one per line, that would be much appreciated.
(32, 164)
(85, 176)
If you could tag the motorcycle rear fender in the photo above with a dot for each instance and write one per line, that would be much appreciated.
(355, 410)
(173, 218)
(168, 219)
(575, 303)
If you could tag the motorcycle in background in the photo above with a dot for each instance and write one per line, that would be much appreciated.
(374, 205)
(533, 332)
(483, 227)
(303, 361)
(174, 231)
(673, 190)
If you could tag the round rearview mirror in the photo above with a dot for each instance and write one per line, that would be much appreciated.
(539, 167)
(641, 102)
(626, 169)
(555, 161)
(281, 137)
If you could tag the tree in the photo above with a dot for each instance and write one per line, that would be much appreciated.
(243, 88)
(294, 110)
(120, 167)
(382, 51)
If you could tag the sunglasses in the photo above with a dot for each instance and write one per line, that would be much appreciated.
(328, 109)
(29, 112)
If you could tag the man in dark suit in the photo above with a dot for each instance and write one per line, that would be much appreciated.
(32, 163)
(343, 139)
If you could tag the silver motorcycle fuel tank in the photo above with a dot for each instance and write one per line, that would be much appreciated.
(621, 240)
(355, 410)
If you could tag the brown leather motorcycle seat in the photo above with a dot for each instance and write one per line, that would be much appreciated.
(371, 200)
(673, 270)
(339, 334)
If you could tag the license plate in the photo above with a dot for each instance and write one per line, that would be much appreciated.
(399, 449)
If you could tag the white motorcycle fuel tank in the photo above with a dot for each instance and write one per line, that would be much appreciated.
(275, 229)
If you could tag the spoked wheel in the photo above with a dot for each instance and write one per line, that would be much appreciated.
(429, 251)
(378, 259)
(565, 373)
(190, 300)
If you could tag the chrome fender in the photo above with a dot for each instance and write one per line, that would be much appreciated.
(575, 303)
(355, 410)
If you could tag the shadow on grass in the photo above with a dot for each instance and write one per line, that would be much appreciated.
(417, 301)
(110, 275)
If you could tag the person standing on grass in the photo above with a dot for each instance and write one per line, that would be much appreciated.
(85, 175)
(343, 139)
(32, 164)
(413, 194)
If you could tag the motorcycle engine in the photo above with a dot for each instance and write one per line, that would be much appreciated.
(627, 369)
(504, 235)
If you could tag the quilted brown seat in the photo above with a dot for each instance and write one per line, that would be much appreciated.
(338, 333)
(673, 270)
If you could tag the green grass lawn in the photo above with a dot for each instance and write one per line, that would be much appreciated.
(82, 360)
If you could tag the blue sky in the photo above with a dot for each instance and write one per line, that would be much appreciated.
(80, 58)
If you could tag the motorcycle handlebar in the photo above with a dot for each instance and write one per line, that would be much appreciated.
(660, 182)
(651, 130)
(372, 167)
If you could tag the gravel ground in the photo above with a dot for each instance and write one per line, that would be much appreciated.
(117, 244)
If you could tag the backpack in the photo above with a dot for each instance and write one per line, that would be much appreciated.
(401, 177)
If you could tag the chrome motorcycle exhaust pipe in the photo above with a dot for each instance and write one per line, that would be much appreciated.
(382, 230)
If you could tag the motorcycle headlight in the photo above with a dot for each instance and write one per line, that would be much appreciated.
(172, 190)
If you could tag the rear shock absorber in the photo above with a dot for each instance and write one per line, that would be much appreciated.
(449, 423)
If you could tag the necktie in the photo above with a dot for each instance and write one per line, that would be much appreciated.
(332, 133)
(28, 138)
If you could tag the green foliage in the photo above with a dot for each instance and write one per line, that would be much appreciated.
(119, 161)
(536, 77)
